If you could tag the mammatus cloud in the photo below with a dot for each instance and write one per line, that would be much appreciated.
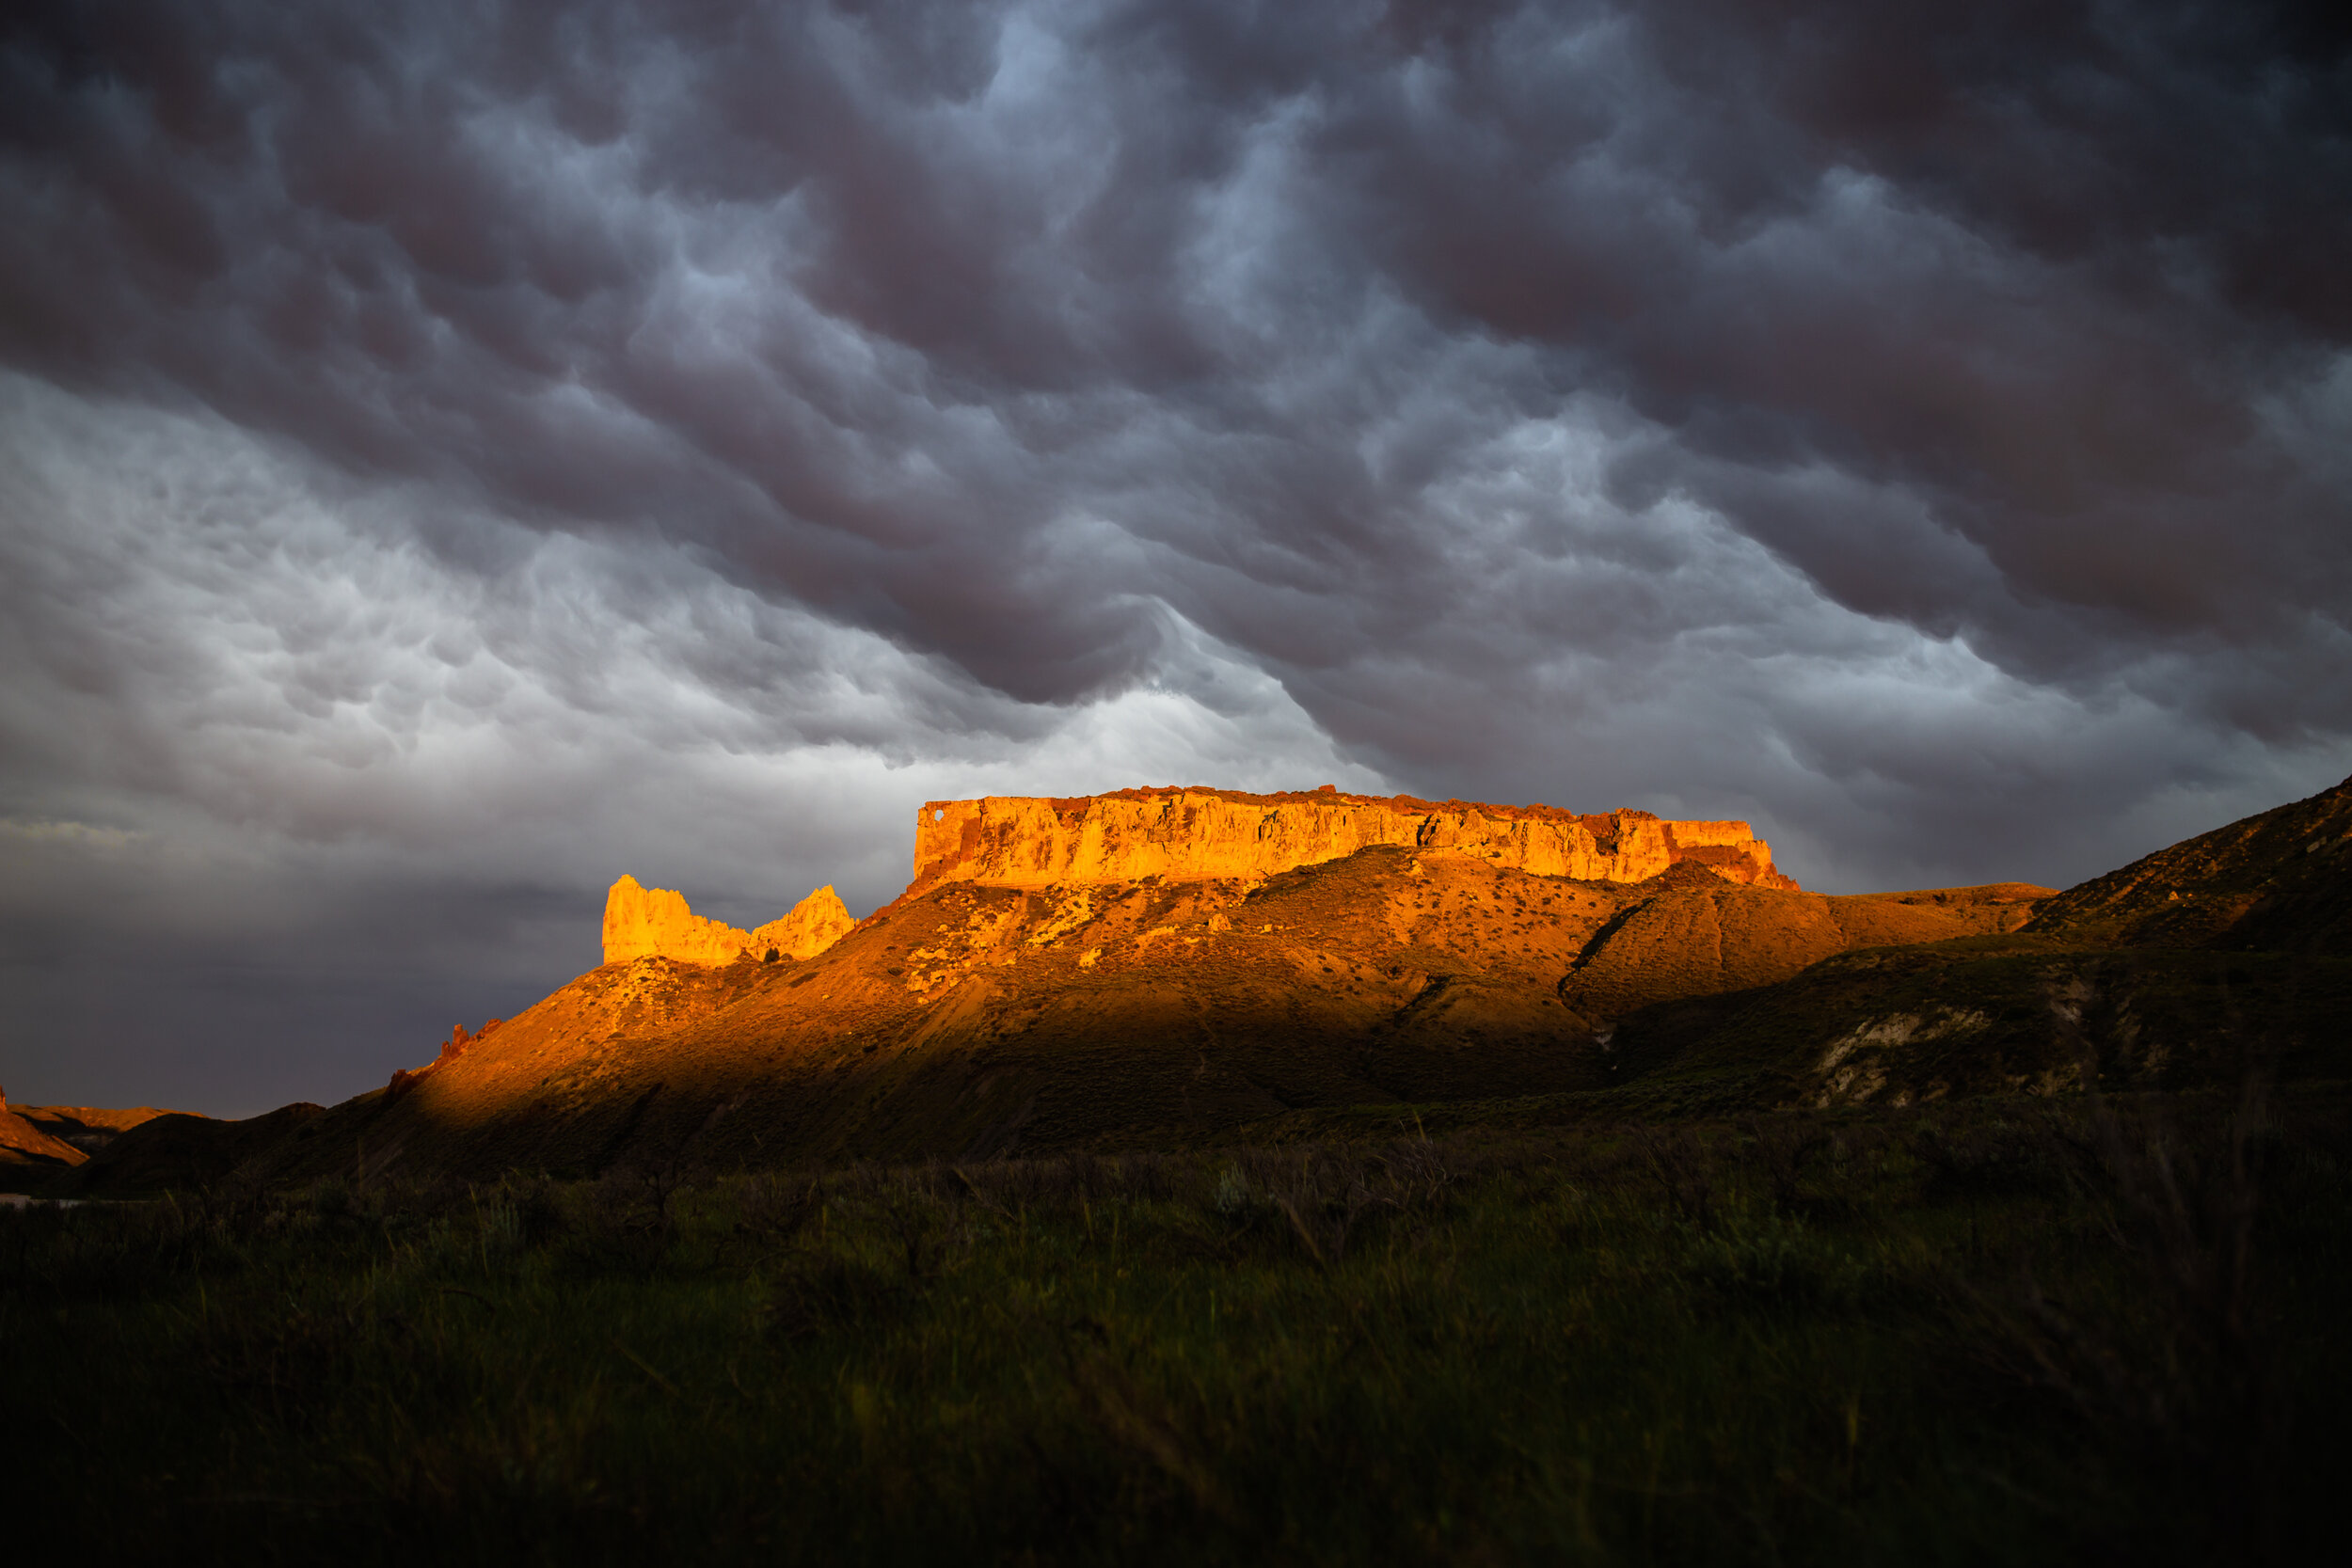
(449, 457)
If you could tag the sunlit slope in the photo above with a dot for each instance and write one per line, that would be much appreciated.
(22, 1143)
(1694, 935)
(972, 1019)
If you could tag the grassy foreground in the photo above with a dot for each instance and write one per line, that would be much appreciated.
(1987, 1331)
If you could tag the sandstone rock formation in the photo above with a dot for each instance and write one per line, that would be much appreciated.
(1159, 964)
(1197, 834)
(656, 923)
(813, 924)
(972, 1019)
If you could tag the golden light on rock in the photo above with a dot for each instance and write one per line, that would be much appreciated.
(656, 923)
(1200, 835)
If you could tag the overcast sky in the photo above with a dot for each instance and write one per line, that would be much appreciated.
(453, 454)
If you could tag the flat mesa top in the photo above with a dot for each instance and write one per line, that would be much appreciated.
(1324, 796)
(1035, 840)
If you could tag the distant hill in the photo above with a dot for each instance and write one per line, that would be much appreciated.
(22, 1143)
(36, 1140)
(990, 1011)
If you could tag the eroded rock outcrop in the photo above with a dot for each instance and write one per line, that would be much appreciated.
(813, 924)
(1193, 835)
(458, 1043)
(656, 923)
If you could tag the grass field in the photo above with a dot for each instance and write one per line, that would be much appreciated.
(2012, 1331)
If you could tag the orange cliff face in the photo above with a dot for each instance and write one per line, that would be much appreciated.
(1197, 834)
(656, 923)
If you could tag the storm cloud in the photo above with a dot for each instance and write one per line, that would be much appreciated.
(452, 455)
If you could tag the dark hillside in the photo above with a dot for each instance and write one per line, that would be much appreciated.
(1906, 1025)
(2182, 964)
(2279, 882)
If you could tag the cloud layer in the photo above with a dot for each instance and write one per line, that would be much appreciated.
(451, 455)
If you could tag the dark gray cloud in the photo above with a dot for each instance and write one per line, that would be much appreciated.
(451, 455)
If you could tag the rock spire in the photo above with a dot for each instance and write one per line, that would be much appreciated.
(642, 922)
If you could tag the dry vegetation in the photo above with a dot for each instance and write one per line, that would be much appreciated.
(2008, 1330)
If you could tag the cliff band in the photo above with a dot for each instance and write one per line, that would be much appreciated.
(1198, 834)
(1189, 836)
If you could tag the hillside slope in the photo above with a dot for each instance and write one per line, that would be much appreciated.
(971, 1020)
(2278, 882)
(25, 1145)
(2231, 947)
